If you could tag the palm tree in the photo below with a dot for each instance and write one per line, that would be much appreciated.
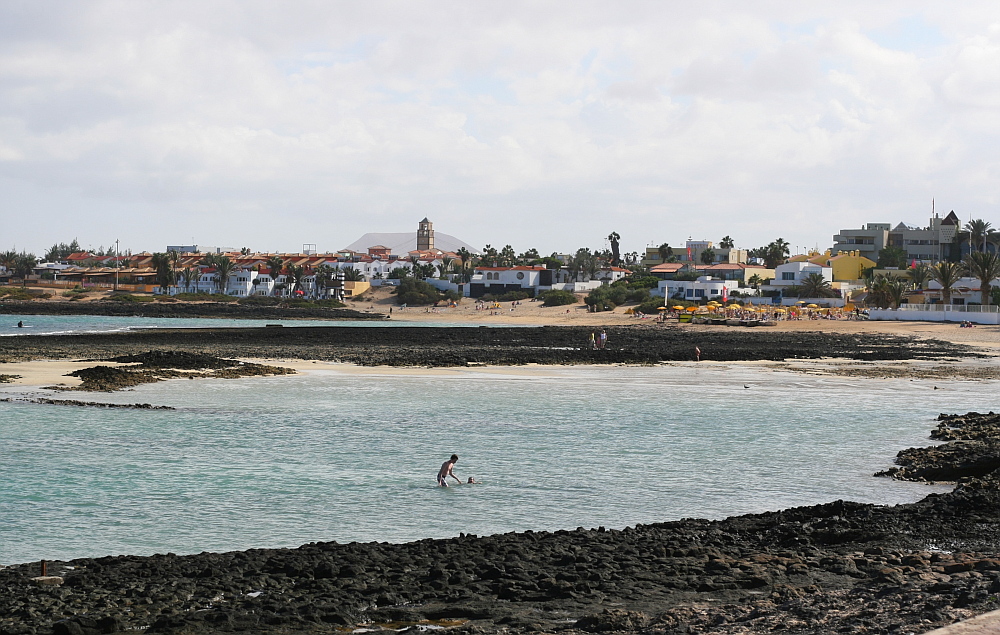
(978, 230)
(947, 274)
(8, 259)
(755, 281)
(816, 286)
(920, 274)
(24, 264)
(665, 252)
(352, 275)
(726, 243)
(878, 295)
(275, 263)
(164, 271)
(464, 255)
(708, 256)
(323, 276)
(895, 290)
(614, 239)
(190, 275)
(225, 267)
(447, 263)
(984, 266)
(294, 275)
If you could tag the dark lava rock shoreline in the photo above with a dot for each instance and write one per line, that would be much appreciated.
(461, 346)
(838, 567)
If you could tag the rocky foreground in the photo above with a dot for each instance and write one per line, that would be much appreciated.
(462, 346)
(840, 567)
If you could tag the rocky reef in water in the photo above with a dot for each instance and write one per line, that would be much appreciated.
(153, 366)
(838, 567)
(462, 346)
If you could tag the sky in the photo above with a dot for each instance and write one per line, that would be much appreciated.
(544, 125)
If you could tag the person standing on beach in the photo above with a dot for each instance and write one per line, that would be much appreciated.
(602, 339)
(593, 341)
(448, 469)
(697, 354)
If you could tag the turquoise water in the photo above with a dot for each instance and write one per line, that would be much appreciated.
(351, 454)
(61, 324)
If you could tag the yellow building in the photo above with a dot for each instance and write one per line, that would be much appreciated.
(848, 266)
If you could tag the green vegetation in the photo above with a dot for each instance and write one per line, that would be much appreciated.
(74, 293)
(413, 292)
(18, 293)
(773, 254)
(557, 298)
(316, 304)
(638, 282)
(201, 296)
(128, 297)
(609, 297)
(892, 256)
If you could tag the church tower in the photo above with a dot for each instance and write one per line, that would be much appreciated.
(425, 236)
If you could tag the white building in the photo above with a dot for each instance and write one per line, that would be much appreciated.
(704, 288)
(793, 273)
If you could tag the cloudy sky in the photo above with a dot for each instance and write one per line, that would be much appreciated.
(538, 124)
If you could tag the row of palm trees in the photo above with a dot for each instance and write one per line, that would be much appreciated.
(982, 265)
(296, 276)
(21, 264)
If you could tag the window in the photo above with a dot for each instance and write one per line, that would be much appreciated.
(699, 293)
(788, 275)
(690, 293)
(520, 275)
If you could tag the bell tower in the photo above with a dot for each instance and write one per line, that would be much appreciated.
(425, 235)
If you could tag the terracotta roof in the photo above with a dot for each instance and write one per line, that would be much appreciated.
(667, 267)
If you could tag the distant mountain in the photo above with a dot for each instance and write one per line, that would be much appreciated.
(401, 243)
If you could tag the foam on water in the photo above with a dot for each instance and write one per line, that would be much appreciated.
(338, 455)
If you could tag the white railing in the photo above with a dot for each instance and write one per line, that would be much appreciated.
(959, 308)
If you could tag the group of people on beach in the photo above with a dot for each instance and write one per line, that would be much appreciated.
(598, 340)
(448, 469)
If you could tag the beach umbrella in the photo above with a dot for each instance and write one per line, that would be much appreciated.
(692, 309)
(812, 306)
(677, 308)
(780, 311)
(661, 308)
(801, 302)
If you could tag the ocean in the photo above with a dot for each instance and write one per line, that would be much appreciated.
(350, 454)
(69, 324)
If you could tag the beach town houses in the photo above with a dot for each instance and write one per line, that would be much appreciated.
(703, 288)
(500, 280)
(792, 273)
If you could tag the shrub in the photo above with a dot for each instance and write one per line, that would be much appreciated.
(17, 293)
(260, 300)
(206, 297)
(606, 298)
(128, 297)
(557, 298)
(637, 282)
(416, 292)
(165, 298)
(510, 296)
(316, 304)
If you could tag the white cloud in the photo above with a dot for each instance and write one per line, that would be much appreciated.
(270, 125)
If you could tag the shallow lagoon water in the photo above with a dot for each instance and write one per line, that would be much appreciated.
(66, 324)
(350, 454)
